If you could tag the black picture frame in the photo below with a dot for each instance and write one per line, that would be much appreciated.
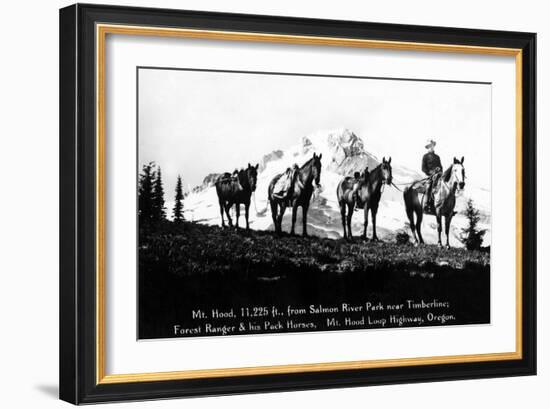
(78, 236)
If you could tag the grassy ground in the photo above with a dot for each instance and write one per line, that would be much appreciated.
(193, 265)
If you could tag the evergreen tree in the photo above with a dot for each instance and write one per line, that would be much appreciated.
(472, 237)
(145, 194)
(159, 211)
(178, 205)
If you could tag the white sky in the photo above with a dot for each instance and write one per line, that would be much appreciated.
(194, 123)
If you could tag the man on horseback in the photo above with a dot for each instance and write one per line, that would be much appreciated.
(431, 166)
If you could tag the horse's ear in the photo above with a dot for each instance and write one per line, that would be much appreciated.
(389, 160)
(319, 157)
(462, 160)
(314, 155)
(257, 166)
(454, 160)
(249, 165)
(383, 159)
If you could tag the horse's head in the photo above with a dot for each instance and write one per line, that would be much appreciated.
(316, 169)
(385, 168)
(251, 174)
(458, 174)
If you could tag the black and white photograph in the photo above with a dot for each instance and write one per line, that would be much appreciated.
(283, 202)
(261, 201)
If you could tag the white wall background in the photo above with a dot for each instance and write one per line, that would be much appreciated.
(29, 202)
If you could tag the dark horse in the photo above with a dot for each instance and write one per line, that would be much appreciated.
(368, 196)
(236, 191)
(300, 194)
(444, 200)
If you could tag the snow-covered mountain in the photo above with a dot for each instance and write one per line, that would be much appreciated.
(343, 153)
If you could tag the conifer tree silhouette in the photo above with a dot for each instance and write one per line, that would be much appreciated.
(178, 205)
(472, 237)
(145, 194)
(159, 211)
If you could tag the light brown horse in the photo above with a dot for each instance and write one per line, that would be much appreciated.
(444, 193)
(368, 197)
(299, 195)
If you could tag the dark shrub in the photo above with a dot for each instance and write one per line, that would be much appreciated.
(402, 237)
(472, 237)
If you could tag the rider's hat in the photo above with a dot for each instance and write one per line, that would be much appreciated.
(430, 143)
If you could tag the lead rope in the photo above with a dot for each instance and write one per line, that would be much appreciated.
(408, 183)
(395, 186)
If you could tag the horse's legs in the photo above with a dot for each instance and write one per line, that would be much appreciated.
(237, 214)
(304, 219)
(350, 214)
(447, 227)
(413, 229)
(273, 205)
(343, 214)
(294, 211)
(412, 226)
(373, 212)
(419, 215)
(246, 213)
(221, 213)
(227, 208)
(365, 222)
(438, 218)
(282, 209)
(410, 215)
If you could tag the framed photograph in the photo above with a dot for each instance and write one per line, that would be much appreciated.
(257, 203)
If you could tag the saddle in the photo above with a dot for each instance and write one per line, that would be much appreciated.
(357, 179)
(228, 178)
(429, 206)
(285, 183)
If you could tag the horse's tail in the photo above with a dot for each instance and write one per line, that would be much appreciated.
(219, 191)
(263, 211)
(407, 198)
(412, 202)
(340, 192)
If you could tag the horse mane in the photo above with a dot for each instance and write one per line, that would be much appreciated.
(242, 177)
(374, 173)
(447, 173)
(305, 165)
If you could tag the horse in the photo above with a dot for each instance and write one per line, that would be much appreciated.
(444, 192)
(299, 195)
(368, 196)
(236, 191)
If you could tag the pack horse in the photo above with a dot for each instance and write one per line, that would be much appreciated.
(298, 189)
(236, 189)
(364, 192)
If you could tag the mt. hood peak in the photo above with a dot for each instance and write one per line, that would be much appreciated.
(343, 151)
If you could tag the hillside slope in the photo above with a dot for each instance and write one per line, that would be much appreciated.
(191, 266)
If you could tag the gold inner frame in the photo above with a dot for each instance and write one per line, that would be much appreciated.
(101, 33)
